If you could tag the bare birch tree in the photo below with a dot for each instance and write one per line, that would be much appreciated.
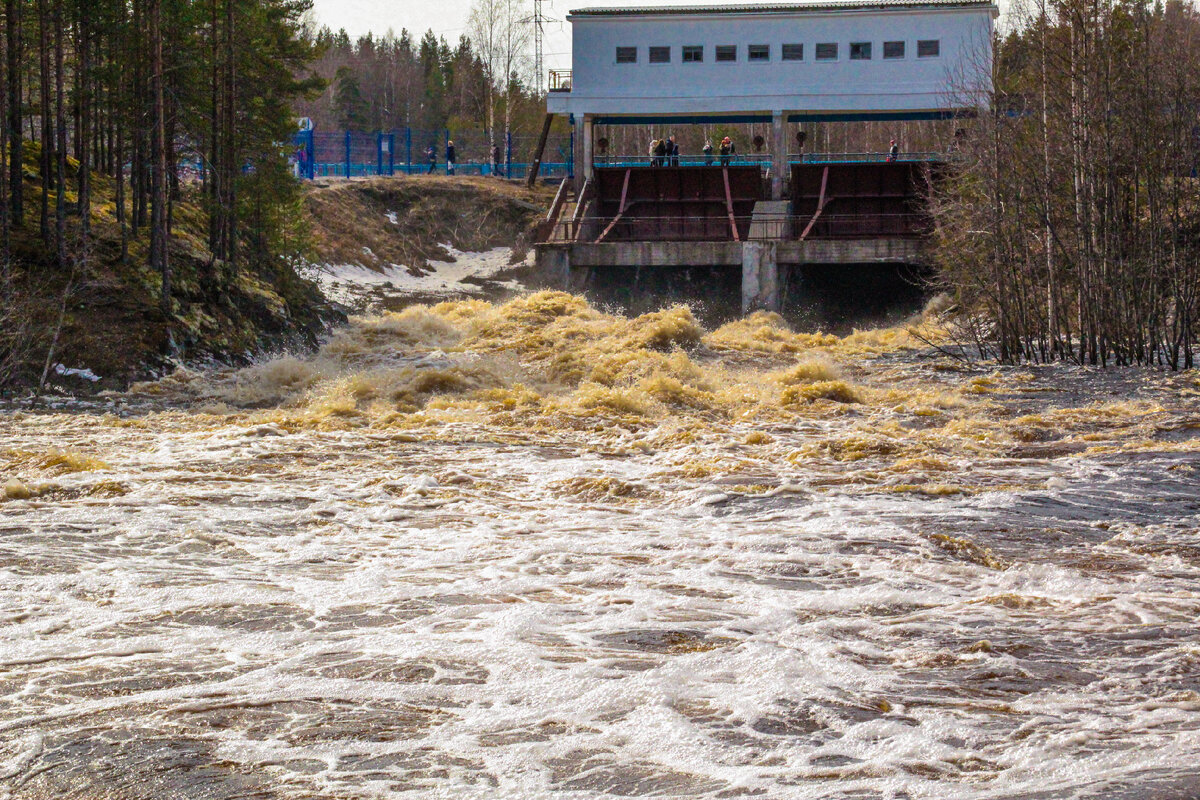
(1069, 223)
(500, 34)
(484, 30)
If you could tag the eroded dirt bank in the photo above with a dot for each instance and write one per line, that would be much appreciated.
(408, 221)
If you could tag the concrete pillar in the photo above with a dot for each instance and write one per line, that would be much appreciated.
(760, 276)
(578, 154)
(552, 265)
(779, 145)
(589, 145)
(578, 279)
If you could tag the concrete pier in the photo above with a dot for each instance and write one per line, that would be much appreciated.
(568, 264)
(760, 276)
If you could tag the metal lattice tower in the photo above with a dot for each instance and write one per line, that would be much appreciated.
(539, 64)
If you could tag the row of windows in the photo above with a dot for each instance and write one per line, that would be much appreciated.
(825, 51)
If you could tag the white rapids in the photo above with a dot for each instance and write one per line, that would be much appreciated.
(198, 601)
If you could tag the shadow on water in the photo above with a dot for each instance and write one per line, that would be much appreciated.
(713, 293)
(839, 298)
(833, 299)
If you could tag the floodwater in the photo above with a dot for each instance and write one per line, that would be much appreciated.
(531, 549)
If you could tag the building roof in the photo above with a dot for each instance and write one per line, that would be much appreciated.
(781, 8)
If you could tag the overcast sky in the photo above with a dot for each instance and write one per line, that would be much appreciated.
(448, 18)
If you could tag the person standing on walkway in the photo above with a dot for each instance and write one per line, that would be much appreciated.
(451, 157)
(893, 152)
(431, 154)
(707, 150)
(496, 160)
(726, 151)
(660, 153)
(673, 146)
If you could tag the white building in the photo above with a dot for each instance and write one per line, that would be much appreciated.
(820, 61)
(841, 59)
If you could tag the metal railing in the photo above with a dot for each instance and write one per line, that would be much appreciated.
(760, 159)
(755, 159)
(349, 154)
(860, 158)
(717, 227)
(560, 80)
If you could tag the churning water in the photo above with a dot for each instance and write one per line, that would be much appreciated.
(531, 549)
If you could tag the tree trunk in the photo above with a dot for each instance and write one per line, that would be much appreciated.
(5, 223)
(16, 204)
(229, 146)
(212, 170)
(47, 161)
(60, 152)
(119, 178)
(158, 201)
(83, 82)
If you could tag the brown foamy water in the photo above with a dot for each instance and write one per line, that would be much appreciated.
(532, 549)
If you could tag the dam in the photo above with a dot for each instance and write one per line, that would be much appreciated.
(781, 67)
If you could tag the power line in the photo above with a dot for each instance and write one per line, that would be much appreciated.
(538, 21)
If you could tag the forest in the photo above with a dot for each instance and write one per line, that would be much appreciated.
(1070, 226)
(390, 82)
(151, 128)
(484, 85)
(153, 94)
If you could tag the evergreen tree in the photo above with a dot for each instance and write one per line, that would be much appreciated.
(348, 101)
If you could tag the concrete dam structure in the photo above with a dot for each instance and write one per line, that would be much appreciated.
(714, 216)
(776, 65)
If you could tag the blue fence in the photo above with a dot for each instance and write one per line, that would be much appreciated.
(321, 154)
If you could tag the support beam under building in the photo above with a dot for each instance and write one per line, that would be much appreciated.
(779, 158)
(587, 138)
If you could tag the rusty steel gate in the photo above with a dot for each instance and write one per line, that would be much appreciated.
(861, 201)
(830, 200)
(676, 204)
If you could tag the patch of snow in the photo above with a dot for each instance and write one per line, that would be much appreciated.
(71, 372)
(357, 286)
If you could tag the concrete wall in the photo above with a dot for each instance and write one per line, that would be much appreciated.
(602, 86)
(554, 260)
(568, 265)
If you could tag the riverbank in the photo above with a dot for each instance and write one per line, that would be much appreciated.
(114, 332)
(386, 243)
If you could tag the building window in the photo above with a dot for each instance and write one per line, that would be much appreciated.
(827, 51)
(626, 55)
(893, 49)
(793, 52)
(758, 52)
(660, 55)
(860, 51)
(693, 54)
(727, 52)
(929, 48)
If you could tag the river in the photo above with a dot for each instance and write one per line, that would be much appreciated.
(534, 549)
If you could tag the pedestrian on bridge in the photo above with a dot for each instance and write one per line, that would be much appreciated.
(673, 146)
(451, 157)
(893, 152)
(707, 150)
(727, 151)
(660, 153)
(431, 154)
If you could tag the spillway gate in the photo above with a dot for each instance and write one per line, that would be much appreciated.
(711, 215)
